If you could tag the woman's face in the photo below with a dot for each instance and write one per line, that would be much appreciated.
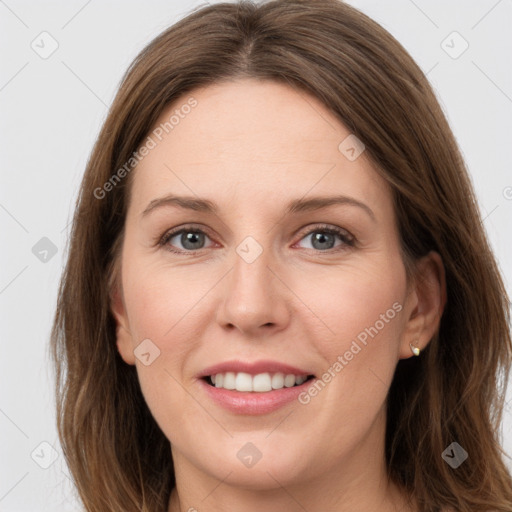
(283, 259)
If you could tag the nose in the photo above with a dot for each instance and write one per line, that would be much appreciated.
(254, 298)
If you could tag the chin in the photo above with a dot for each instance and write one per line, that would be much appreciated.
(264, 476)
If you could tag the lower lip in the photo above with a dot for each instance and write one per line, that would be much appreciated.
(254, 403)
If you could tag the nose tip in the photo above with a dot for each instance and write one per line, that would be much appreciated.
(248, 320)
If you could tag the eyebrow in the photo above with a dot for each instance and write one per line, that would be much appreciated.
(295, 206)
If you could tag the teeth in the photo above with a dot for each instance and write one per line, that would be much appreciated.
(260, 383)
(243, 382)
(277, 381)
(229, 381)
(289, 381)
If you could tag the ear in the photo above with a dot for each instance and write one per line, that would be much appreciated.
(124, 339)
(424, 304)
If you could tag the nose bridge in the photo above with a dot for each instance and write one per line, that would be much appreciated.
(251, 274)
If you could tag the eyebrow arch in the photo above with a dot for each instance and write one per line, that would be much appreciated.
(189, 203)
(295, 206)
(317, 203)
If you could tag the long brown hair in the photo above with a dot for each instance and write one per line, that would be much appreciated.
(118, 456)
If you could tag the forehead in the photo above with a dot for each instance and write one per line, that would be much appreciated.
(253, 139)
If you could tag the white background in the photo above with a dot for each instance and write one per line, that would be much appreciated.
(51, 111)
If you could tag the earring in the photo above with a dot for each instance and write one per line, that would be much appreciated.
(415, 350)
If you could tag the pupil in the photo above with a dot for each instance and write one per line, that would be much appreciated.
(322, 238)
(188, 240)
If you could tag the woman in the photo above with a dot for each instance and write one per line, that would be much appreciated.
(279, 295)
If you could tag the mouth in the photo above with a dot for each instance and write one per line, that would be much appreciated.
(256, 387)
(260, 383)
(253, 396)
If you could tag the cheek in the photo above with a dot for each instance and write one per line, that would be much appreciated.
(352, 300)
(359, 338)
(161, 302)
(165, 308)
(362, 309)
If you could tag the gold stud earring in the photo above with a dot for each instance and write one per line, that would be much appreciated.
(415, 350)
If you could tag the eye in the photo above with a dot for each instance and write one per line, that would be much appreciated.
(191, 239)
(323, 238)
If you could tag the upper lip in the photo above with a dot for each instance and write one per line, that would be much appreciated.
(252, 368)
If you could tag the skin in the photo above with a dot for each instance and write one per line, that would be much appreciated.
(251, 147)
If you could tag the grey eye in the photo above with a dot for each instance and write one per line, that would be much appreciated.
(321, 240)
(190, 240)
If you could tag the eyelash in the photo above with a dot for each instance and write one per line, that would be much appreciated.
(347, 239)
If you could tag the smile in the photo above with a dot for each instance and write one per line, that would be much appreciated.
(260, 383)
